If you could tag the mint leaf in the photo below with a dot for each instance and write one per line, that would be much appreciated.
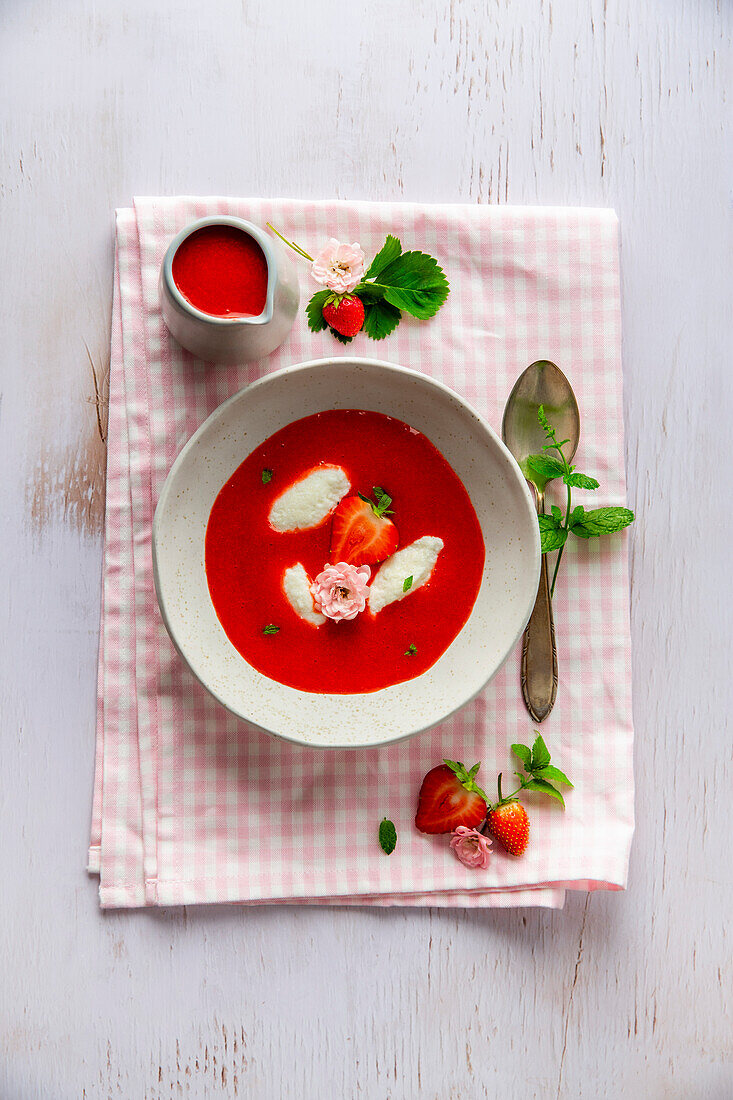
(314, 309)
(387, 836)
(551, 772)
(270, 629)
(544, 787)
(407, 584)
(380, 319)
(603, 521)
(546, 467)
(540, 753)
(383, 502)
(415, 283)
(581, 481)
(389, 252)
(411, 650)
(524, 753)
(556, 514)
(576, 516)
(266, 476)
(551, 537)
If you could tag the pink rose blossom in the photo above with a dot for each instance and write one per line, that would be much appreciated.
(471, 846)
(340, 591)
(339, 266)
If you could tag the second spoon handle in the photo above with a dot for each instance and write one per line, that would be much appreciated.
(539, 653)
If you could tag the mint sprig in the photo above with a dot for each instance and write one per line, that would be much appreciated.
(555, 527)
(539, 774)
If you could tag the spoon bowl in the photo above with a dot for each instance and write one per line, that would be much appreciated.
(542, 383)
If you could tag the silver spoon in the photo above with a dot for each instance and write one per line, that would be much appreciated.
(541, 384)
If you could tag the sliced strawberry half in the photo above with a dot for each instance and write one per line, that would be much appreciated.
(450, 797)
(361, 534)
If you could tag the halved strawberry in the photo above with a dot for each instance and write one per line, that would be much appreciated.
(360, 533)
(449, 797)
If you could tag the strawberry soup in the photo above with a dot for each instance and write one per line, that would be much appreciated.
(222, 271)
(385, 502)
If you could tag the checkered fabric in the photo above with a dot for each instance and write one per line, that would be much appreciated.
(192, 805)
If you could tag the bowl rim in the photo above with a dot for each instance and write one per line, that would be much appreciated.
(192, 442)
(250, 230)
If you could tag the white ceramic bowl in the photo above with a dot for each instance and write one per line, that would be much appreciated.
(497, 490)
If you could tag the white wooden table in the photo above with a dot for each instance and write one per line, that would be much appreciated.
(596, 102)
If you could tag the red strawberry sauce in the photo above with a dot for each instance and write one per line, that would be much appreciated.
(222, 271)
(245, 558)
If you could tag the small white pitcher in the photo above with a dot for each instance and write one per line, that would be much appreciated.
(232, 339)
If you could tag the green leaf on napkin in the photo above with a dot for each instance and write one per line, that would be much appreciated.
(581, 481)
(387, 836)
(524, 753)
(602, 521)
(544, 788)
(380, 318)
(414, 282)
(549, 771)
(540, 753)
(314, 309)
(389, 251)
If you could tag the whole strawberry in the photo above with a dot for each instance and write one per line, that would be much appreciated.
(509, 823)
(449, 797)
(507, 820)
(345, 314)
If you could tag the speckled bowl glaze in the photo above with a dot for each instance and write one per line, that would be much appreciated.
(500, 497)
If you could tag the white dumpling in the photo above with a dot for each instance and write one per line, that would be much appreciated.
(297, 589)
(310, 500)
(416, 560)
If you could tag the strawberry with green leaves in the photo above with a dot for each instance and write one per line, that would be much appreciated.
(372, 300)
(507, 819)
(361, 533)
(449, 797)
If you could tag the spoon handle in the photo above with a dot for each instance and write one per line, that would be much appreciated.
(539, 653)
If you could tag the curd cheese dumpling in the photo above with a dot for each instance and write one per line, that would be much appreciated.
(297, 589)
(416, 560)
(310, 499)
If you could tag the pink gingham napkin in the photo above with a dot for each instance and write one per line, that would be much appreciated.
(190, 804)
